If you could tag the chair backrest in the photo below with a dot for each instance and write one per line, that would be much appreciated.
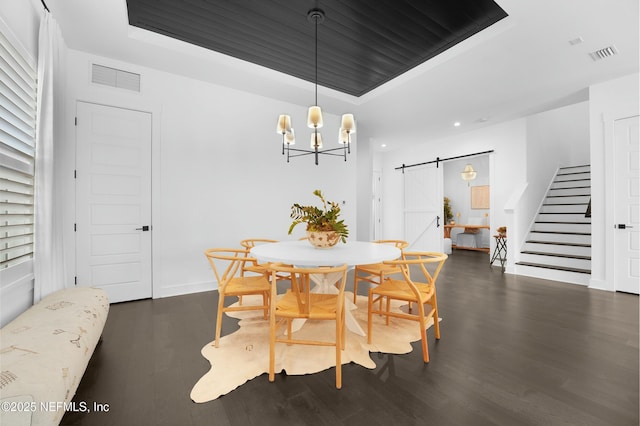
(301, 283)
(401, 244)
(423, 259)
(249, 243)
(230, 260)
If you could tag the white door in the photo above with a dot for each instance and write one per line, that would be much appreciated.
(113, 201)
(627, 206)
(423, 207)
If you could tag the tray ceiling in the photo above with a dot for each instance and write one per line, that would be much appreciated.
(361, 44)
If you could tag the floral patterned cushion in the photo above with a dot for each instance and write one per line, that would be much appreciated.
(45, 351)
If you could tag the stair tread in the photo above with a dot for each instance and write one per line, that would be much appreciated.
(567, 256)
(558, 243)
(565, 223)
(565, 204)
(574, 167)
(569, 187)
(562, 232)
(561, 213)
(566, 196)
(558, 268)
(571, 180)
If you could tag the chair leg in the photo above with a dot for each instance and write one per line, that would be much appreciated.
(355, 286)
(436, 323)
(380, 278)
(369, 317)
(339, 344)
(219, 319)
(423, 332)
(388, 308)
(423, 335)
(265, 302)
(272, 349)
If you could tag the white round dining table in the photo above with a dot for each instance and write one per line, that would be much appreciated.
(302, 253)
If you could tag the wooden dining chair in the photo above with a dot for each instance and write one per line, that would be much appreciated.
(254, 266)
(421, 291)
(376, 272)
(300, 302)
(227, 264)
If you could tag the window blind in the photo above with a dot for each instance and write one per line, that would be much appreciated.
(17, 155)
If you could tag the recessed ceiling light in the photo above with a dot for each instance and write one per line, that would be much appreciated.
(384, 145)
(576, 40)
(457, 124)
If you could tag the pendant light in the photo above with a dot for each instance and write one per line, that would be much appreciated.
(314, 117)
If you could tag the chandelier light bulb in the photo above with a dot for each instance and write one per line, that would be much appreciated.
(343, 136)
(290, 137)
(316, 140)
(314, 119)
(348, 123)
(284, 124)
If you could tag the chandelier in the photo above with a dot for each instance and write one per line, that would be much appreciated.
(314, 118)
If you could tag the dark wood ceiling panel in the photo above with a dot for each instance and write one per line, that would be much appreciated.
(361, 44)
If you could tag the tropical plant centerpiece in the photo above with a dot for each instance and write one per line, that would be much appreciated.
(324, 229)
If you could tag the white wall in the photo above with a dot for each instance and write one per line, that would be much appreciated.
(218, 172)
(20, 21)
(608, 101)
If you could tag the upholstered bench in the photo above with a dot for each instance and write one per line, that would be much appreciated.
(44, 353)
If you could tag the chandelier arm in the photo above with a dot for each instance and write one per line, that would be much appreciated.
(309, 151)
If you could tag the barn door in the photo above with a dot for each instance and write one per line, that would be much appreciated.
(423, 204)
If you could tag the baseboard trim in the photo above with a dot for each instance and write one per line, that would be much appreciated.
(186, 288)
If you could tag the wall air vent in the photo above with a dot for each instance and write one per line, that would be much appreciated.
(603, 53)
(115, 78)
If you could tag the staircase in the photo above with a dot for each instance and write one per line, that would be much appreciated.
(558, 246)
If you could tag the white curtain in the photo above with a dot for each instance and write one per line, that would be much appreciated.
(48, 247)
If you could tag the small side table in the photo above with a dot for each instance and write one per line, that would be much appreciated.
(501, 251)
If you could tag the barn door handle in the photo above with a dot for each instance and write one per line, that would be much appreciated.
(437, 221)
(144, 228)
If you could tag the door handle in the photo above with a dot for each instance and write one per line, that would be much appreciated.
(437, 221)
(622, 226)
(144, 228)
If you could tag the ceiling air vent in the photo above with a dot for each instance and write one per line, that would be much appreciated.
(603, 53)
(115, 78)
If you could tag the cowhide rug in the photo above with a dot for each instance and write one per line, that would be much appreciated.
(244, 354)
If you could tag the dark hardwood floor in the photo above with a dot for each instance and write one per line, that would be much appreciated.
(514, 351)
